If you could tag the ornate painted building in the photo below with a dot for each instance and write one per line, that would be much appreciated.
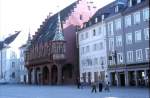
(52, 57)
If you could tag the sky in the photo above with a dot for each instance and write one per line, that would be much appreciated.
(28, 15)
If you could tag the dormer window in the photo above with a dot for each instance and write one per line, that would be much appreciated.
(81, 17)
(102, 17)
(138, 1)
(130, 3)
(96, 20)
(116, 9)
(89, 8)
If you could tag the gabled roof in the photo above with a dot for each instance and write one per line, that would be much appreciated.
(109, 10)
(47, 30)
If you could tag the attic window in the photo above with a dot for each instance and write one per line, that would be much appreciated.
(103, 17)
(96, 20)
(130, 3)
(81, 17)
(116, 9)
(138, 1)
(89, 8)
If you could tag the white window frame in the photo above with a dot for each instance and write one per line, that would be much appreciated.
(138, 36)
(118, 40)
(110, 28)
(86, 35)
(120, 58)
(146, 33)
(138, 1)
(146, 14)
(100, 30)
(129, 38)
(118, 24)
(111, 43)
(137, 17)
(147, 53)
(127, 20)
(139, 55)
(129, 56)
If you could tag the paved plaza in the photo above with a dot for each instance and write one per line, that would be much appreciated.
(28, 91)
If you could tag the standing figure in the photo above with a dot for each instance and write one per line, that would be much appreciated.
(78, 83)
(94, 87)
(107, 87)
(100, 85)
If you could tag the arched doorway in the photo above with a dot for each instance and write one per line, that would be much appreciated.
(67, 71)
(45, 76)
(38, 76)
(54, 75)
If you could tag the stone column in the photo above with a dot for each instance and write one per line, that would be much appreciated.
(117, 78)
(126, 78)
(50, 78)
(135, 78)
(59, 82)
(36, 76)
(33, 76)
(29, 76)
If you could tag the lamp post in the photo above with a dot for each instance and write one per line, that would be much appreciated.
(114, 55)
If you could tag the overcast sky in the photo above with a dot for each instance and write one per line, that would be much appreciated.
(29, 14)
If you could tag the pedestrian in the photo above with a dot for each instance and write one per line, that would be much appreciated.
(107, 87)
(100, 85)
(78, 83)
(94, 87)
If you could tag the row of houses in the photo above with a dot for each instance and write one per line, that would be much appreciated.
(114, 44)
(110, 44)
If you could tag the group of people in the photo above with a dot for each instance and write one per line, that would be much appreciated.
(101, 85)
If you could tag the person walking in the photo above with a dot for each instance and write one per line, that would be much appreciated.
(78, 83)
(94, 87)
(100, 85)
(107, 87)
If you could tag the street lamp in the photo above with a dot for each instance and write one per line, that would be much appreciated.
(114, 55)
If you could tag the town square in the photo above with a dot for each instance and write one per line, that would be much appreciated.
(74, 49)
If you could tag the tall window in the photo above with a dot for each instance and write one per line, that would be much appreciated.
(129, 38)
(136, 16)
(94, 47)
(120, 57)
(138, 36)
(118, 40)
(146, 33)
(100, 30)
(138, 1)
(147, 53)
(130, 56)
(104, 29)
(139, 55)
(86, 35)
(81, 17)
(127, 20)
(81, 36)
(110, 28)
(111, 44)
(87, 49)
(101, 45)
(118, 24)
(13, 64)
(94, 32)
(146, 14)
(95, 61)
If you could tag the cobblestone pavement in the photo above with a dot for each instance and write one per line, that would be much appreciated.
(30, 91)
